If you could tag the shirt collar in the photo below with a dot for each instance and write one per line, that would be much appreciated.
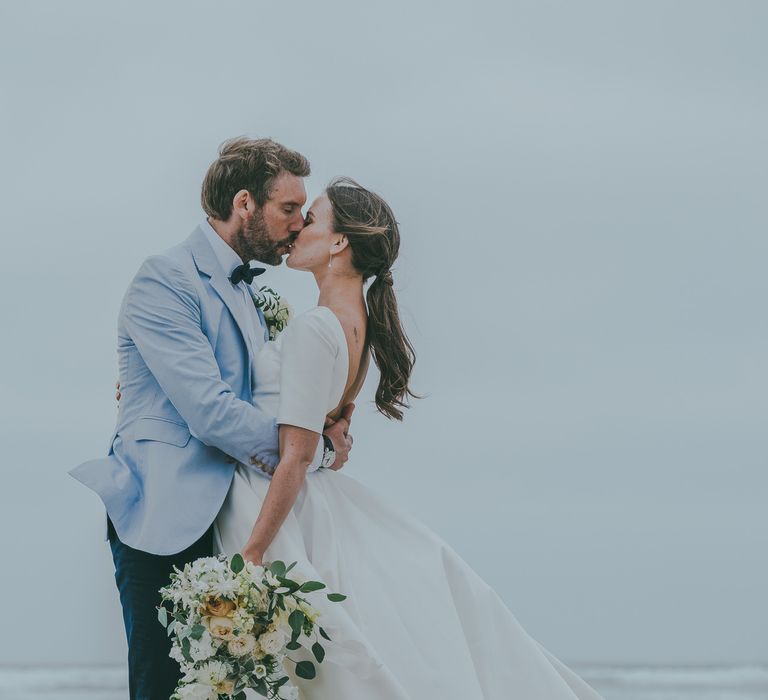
(228, 258)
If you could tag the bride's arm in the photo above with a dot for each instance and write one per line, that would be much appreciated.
(297, 450)
(308, 354)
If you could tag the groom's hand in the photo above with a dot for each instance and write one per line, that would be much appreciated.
(340, 437)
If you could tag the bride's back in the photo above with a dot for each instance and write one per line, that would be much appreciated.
(354, 323)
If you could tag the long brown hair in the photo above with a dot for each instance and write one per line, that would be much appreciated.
(374, 237)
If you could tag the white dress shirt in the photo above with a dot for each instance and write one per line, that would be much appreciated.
(229, 259)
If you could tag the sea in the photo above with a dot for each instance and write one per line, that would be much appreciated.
(612, 682)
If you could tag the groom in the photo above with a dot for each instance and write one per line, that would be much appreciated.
(188, 331)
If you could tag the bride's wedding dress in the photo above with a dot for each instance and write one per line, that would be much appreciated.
(418, 621)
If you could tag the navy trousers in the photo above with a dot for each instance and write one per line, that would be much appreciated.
(152, 674)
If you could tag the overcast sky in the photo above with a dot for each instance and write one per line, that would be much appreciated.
(582, 194)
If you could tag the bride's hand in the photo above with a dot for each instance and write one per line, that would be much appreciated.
(252, 555)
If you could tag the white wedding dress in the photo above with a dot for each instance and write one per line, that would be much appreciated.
(418, 622)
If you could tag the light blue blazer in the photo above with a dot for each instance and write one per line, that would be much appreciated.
(185, 415)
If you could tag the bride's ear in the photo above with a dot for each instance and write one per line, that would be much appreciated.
(339, 244)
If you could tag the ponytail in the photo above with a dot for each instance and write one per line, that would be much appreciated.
(391, 350)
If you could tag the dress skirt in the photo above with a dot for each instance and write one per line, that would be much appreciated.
(418, 621)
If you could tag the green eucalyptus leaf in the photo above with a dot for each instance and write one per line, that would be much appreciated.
(309, 586)
(318, 651)
(162, 616)
(324, 634)
(197, 631)
(238, 563)
(305, 669)
(289, 583)
(296, 620)
(277, 567)
(185, 647)
(336, 597)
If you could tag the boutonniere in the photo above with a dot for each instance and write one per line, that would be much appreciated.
(277, 312)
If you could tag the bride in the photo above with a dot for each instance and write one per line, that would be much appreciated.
(418, 621)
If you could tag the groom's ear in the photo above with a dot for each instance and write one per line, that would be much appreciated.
(243, 204)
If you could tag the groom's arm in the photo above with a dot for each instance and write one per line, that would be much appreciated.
(161, 312)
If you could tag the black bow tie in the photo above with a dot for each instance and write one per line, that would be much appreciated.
(245, 273)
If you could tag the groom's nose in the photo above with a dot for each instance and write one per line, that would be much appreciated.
(297, 223)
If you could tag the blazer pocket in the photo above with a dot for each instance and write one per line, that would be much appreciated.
(161, 430)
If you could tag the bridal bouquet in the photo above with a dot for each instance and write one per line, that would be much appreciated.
(277, 312)
(233, 624)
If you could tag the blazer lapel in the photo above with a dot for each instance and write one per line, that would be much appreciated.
(263, 320)
(206, 262)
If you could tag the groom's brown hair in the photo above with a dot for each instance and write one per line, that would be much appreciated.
(247, 164)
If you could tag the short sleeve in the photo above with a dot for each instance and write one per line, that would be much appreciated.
(308, 352)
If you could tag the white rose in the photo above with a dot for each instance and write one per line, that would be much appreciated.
(241, 645)
(273, 641)
(220, 627)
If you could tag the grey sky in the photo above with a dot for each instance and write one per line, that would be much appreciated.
(581, 189)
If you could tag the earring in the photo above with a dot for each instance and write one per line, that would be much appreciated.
(330, 260)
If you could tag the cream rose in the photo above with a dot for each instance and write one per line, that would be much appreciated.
(273, 641)
(220, 627)
(241, 645)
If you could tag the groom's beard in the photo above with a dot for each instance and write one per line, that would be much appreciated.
(252, 242)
